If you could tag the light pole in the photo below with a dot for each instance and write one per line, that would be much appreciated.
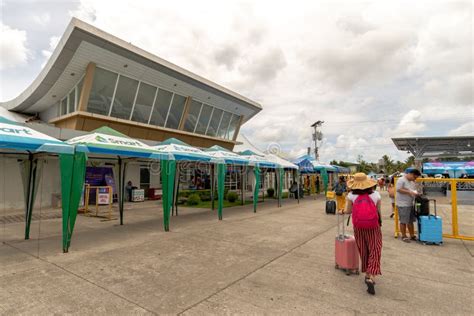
(317, 135)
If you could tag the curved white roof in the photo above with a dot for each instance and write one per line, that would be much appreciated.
(82, 43)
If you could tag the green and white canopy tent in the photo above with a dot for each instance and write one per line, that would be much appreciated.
(283, 165)
(16, 138)
(182, 152)
(229, 158)
(258, 162)
(107, 142)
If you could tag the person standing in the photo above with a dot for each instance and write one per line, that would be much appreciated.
(364, 203)
(340, 189)
(391, 194)
(406, 193)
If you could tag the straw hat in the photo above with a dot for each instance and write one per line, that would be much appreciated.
(361, 182)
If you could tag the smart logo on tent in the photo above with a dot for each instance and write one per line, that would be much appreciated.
(101, 139)
(11, 129)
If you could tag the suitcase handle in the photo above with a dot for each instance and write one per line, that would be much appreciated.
(339, 236)
(434, 202)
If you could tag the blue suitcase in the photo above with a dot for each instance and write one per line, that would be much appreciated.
(430, 228)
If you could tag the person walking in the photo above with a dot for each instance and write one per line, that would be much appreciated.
(391, 194)
(364, 203)
(406, 194)
(340, 189)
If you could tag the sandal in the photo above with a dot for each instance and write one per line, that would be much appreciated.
(370, 286)
(413, 238)
(406, 239)
(366, 278)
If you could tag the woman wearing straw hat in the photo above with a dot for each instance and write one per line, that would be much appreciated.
(364, 204)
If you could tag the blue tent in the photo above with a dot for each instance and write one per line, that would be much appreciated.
(340, 169)
(306, 162)
(453, 168)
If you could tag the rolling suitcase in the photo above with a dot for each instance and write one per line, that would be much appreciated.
(430, 228)
(346, 253)
(330, 207)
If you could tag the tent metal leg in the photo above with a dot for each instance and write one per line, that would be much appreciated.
(213, 187)
(30, 193)
(242, 185)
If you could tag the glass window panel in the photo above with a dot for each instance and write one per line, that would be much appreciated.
(193, 114)
(224, 124)
(162, 104)
(102, 91)
(204, 119)
(63, 106)
(145, 98)
(214, 124)
(233, 126)
(176, 111)
(124, 97)
(72, 101)
(79, 90)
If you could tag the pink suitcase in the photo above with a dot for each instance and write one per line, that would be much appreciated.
(347, 255)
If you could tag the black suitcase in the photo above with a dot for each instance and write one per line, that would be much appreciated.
(330, 207)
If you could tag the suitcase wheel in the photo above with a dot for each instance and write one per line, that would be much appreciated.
(357, 272)
(336, 266)
(348, 272)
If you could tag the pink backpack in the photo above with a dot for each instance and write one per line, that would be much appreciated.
(364, 212)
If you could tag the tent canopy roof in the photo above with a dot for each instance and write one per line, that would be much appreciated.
(107, 141)
(217, 148)
(174, 141)
(19, 137)
(281, 161)
(229, 157)
(182, 151)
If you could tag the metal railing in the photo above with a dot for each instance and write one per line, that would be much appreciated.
(454, 206)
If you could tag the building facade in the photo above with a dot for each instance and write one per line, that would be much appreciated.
(95, 79)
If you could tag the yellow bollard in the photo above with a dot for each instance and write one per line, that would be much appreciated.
(395, 211)
(454, 207)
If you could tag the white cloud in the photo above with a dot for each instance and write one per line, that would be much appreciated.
(13, 47)
(53, 42)
(370, 69)
(410, 125)
(466, 129)
(41, 19)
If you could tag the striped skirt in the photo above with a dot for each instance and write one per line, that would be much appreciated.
(369, 243)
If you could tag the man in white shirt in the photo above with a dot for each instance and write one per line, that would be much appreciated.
(406, 193)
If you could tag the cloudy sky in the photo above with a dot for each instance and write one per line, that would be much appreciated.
(370, 69)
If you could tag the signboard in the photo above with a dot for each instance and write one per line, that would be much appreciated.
(99, 176)
(103, 196)
(138, 195)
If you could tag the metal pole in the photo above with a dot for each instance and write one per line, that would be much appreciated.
(395, 210)
(454, 207)
(242, 190)
(212, 186)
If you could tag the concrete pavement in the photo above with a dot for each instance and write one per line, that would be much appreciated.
(277, 261)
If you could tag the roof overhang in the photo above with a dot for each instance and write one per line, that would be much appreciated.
(436, 147)
(82, 43)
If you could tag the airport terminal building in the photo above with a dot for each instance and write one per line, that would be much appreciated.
(95, 79)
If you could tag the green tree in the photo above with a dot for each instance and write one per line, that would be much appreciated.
(364, 166)
(389, 166)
